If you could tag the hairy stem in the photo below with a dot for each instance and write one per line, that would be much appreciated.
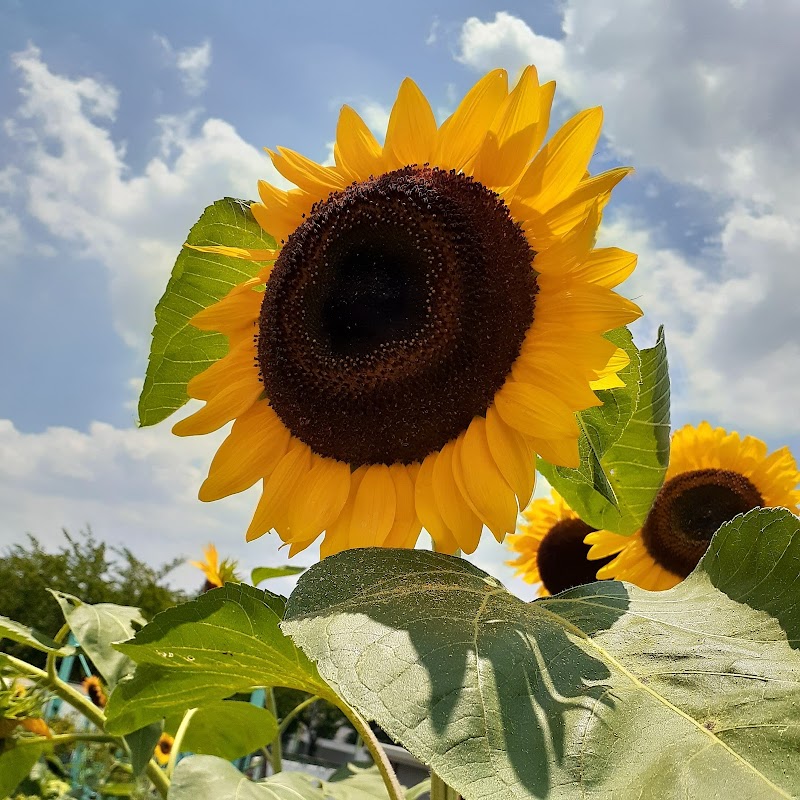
(440, 790)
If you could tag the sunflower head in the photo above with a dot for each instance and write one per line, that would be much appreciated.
(551, 549)
(712, 477)
(95, 691)
(432, 319)
(216, 574)
(163, 748)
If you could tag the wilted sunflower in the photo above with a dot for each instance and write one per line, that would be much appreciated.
(434, 317)
(163, 748)
(216, 574)
(551, 549)
(93, 687)
(712, 476)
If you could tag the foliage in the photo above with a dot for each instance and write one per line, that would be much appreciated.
(85, 567)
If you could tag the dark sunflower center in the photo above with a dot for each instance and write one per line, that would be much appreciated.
(562, 558)
(393, 315)
(687, 512)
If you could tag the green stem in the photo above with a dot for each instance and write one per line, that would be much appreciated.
(51, 656)
(275, 750)
(287, 720)
(64, 738)
(88, 709)
(378, 754)
(178, 743)
(440, 790)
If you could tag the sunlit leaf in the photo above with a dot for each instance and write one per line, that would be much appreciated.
(261, 574)
(603, 691)
(226, 641)
(180, 351)
(17, 632)
(634, 464)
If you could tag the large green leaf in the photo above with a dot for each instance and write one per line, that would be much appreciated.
(17, 632)
(96, 627)
(228, 640)
(208, 778)
(229, 729)
(603, 691)
(180, 351)
(15, 764)
(635, 462)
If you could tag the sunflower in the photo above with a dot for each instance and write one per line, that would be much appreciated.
(93, 687)
(551, 548)
(216, 574)
(163, 748)
(433, 318)
(712, 476)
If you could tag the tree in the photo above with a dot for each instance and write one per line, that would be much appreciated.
(91, 570)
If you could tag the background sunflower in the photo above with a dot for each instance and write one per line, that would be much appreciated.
(712, 476)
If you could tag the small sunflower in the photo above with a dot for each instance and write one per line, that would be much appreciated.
(551, 548)
(163, 748)
(433, 318)
(216, 574)
(712, 476)
(94, 689)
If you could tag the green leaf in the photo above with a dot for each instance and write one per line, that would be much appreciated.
(210, 778)
(97, 627)
(228, 640)
(261, 574)
(598, 692)
(636, 460)
(15, 764)
(141, 744)
(180, 351)
(229, 729)
(9, 629)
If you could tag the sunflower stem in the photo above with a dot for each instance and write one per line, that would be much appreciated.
(378, 754)
(178, 742)
(276, 749)
(440, 790)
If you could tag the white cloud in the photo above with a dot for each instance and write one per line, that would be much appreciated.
(77, 183)
(12, 236)
(708, 100)
(192, 63)
(376, 115)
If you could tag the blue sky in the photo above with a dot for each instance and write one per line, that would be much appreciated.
(122, 121)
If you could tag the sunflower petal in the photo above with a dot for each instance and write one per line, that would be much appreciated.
(428, 510)
(374, 509)
(305, 173)
(534, 411)
(220, 409)
(458, 517)
(561, 452)
(411, 135)
(513, 456)
(321, 496)
(406, 528)
(359, 150)
(236, 252)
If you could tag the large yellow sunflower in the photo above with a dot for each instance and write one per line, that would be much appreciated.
(712, 476)
(434, 317)
(551, 547)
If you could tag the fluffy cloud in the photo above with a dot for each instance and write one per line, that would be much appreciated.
(76, 182)
(192, 64)
(706, 99)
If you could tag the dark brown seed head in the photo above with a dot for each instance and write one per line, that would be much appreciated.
(561, 558)
(393, 315)
(689, 509)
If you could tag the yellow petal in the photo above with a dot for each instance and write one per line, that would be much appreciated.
(535, 411)
(252, 450)
(561, 452)
(546, 93)
(513, 456)
(232, 368)
(562, 162)
(238, 310)
(411, 135)
(406, 527)
(487, 488)
(604, 543)
(359, 150)
(374, 509)
(509, 144)
(462, 133)
(608, 267)
(320, 497)
(236, 252)
(337, 535)
(585, 307)
(307, 174)
(224, 406)
(457, 515)
(273, 507)
(558, 375)
(428, 510)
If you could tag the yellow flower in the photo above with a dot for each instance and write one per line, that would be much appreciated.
(712, 476)
(94, 689)
(551, 548)
(216, 574)
(164, 748)
(433, 318)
